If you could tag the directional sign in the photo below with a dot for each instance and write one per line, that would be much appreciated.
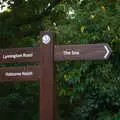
(29, 73)
(19, 55)
(82, 52)
(47, 54)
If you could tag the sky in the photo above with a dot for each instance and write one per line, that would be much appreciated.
(5, 5)
(4, 8)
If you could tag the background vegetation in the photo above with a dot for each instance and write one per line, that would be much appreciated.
(87, 90)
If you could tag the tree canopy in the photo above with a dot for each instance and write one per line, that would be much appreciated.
(87, 90)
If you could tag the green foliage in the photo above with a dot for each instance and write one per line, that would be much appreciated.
(87, 90)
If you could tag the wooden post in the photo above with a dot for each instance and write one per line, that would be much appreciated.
(47, 81)
(46, 54)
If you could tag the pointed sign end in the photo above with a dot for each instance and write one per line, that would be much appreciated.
(108, 51)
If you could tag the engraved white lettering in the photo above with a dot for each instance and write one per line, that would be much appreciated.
(27, 55)
(66, 52)
(27, 73)
(75, 52)
(13, 74)
(14, 56)
(71, 52)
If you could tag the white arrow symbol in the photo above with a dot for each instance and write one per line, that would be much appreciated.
(107, 51)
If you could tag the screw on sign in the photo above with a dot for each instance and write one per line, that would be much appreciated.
(46, 39)
(47, 54)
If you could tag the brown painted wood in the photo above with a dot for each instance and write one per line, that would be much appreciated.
(47, 54)
(20, 55)
(17, 74)
(81, 52)
(47, 82)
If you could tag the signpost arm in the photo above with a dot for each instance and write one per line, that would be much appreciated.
(47, 82)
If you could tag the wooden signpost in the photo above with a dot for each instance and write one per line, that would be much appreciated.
(47, 54)
(29, 73)
(19, 55)
(82, 52)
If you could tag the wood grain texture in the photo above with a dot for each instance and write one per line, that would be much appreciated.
(18, 74)
(81, 52)
(20, 55)
(47, 82)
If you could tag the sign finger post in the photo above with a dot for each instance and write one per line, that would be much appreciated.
(47, 82)
(47, 54)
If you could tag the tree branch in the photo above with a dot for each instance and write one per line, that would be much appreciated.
(35, 18)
